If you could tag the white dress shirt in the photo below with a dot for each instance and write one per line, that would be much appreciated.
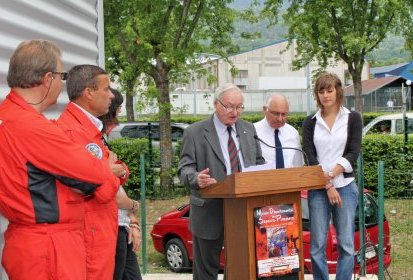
(98, 123)
(330, 145)
(289, 137)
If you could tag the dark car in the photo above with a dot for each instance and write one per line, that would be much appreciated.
(141, 130)
(171, 237)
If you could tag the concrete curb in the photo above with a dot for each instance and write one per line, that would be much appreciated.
(188, 276)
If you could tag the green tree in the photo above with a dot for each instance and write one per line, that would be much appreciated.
(161, 39)
(341, 29)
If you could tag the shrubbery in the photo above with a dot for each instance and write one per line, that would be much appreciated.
(129, 151)
(398, 163)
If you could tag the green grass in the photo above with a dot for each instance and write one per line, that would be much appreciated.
(399, 213)
(154, 209)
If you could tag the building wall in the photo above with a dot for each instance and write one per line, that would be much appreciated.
(76, 26)
(266, 68)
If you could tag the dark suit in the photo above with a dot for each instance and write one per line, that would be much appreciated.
(201, 149)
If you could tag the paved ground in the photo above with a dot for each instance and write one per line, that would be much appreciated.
(187, 276)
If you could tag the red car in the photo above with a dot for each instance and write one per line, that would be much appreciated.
(171, 236)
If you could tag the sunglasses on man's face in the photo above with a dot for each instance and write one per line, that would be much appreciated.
(63, 75)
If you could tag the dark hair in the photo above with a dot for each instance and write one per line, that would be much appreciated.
(30, 61)
(110, 118)
(81, 77)
(327, 81)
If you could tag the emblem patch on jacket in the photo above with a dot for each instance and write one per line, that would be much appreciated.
(95, 150)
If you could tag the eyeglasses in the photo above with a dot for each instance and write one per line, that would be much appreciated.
(63, 75)
(230, 109)
(278, 114)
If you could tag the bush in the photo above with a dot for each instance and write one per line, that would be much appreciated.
(129, 151)
(398, 162)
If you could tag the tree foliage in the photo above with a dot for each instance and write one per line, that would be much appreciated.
(341, 29)
(162, 39)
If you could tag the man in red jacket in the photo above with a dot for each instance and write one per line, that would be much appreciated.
(90, 96)
(44, 176)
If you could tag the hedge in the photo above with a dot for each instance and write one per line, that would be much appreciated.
(294, 119)
(129, 151)
(398, 163)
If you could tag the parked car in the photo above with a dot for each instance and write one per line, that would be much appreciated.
(141, 130)
(171, 237)
(389, 124)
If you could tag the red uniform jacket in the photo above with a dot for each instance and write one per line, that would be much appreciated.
(101, 222)
(39, 170)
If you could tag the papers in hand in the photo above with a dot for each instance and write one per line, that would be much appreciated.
(265, 166)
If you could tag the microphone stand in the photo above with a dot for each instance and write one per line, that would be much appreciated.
(284, 148)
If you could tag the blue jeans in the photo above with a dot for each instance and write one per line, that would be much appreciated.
(343, 220)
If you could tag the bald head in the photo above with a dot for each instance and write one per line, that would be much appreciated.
(276, 98)
(276, 110)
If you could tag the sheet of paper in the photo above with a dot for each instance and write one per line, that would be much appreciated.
(265, 166)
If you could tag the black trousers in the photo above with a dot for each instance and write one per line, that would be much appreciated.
(126, 263)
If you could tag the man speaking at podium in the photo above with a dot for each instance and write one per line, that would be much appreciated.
(212, 149)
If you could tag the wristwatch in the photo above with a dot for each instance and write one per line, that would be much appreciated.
(331, 174)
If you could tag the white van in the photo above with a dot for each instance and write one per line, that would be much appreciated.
(389, 124)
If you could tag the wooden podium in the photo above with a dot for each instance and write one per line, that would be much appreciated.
(244, 192)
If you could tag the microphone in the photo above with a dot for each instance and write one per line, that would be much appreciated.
(284, 148)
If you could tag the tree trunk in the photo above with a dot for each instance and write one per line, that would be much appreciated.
(358, 99)
(130, 114)
(355, 70)
(164, 104)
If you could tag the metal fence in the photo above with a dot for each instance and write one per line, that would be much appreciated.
(399, 213)
(201, 102)
(395, 207)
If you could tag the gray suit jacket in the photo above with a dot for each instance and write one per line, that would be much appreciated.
(200, 150)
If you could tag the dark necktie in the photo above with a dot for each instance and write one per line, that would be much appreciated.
(105, 142)
(233, 153)
(279, 157)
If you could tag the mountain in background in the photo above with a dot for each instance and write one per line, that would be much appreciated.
(390, 51)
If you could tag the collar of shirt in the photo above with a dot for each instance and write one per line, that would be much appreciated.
(268, 127)
(342, 112)
(220, 127)
(98, 123)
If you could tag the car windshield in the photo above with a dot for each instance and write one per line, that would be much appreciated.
(142, 131)
(370, 210)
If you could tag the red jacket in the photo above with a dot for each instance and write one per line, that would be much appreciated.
(39, 169)
(38, 164)
(101, 221)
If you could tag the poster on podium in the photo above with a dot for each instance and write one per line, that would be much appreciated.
(276, 240)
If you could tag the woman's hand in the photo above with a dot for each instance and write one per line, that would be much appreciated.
(134, 237)
(334, 197)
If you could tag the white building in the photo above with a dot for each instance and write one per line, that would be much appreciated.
(260, 72)
(267, 67)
